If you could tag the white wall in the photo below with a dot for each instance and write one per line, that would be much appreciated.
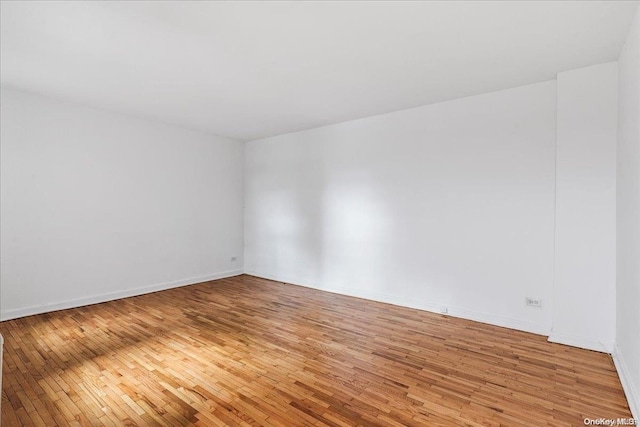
(97, 205)
(627, 354)
(584, 289)
(450, 204)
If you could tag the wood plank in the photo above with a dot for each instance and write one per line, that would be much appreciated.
(249, 351)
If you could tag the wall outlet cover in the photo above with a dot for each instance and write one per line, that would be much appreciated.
(534, 302)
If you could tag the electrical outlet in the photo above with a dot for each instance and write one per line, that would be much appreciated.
(444, 310)
(534, 302)
(234, 259)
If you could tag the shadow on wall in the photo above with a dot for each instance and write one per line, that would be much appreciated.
(318, 217)
(289, 238)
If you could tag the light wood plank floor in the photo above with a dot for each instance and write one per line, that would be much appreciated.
(248, 351)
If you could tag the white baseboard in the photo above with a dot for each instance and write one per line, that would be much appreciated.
(110, 296)
(432, 307)
(581, 342)
(630, 388)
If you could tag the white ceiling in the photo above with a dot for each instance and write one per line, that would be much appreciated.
(253, 69)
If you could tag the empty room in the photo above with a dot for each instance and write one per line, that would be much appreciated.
(319, 213)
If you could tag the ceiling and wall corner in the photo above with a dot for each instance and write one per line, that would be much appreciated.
(249, 70)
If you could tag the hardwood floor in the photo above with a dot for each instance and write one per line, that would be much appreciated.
(248, 351)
